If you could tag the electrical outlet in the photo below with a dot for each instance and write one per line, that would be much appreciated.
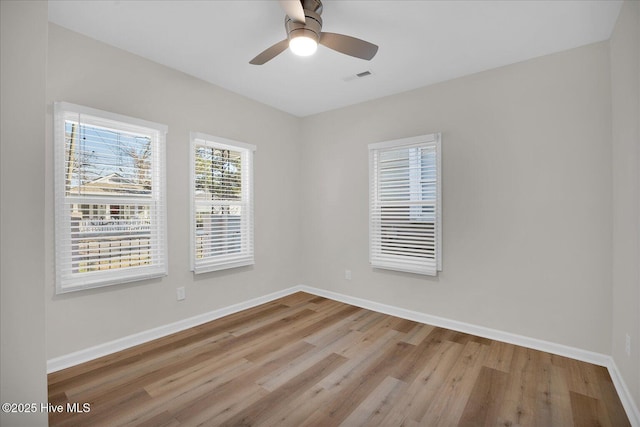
(347, 274)
(180, 293)
(627, 345)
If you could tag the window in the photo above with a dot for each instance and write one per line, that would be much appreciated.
(110, 213)
(405, 208)
(222, 198)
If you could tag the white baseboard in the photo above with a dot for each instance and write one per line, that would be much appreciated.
(607, 361)
(623, 392)
(481, 331)
(91, 353)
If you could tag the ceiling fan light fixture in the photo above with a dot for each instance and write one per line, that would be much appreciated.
(304, 32)
(303, 45)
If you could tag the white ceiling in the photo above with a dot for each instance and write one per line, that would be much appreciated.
(421, 42)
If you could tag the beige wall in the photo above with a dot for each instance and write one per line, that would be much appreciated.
(86, 72)
(625, 94)
(526, 198)
(23, 54)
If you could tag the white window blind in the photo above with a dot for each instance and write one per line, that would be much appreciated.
(222, 203)
(110, 212)
(404, 205)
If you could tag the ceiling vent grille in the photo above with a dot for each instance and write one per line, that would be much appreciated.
(358, 76)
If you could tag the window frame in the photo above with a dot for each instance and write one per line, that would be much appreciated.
(66, 280)
(404, 263)
(246, 255)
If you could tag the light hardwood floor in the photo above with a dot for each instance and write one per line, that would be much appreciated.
(305, 360)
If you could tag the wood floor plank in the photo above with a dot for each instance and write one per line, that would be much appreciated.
(299, 298)
(587, 411)
(228, 396)
(413, 404)
(583, 379)
(418, 356)
(352, 387)
(302, 330)
(360, 360)
(285, 373)
(190, 377)
(216, 408)
(305, 360)
(404, 325)
(300, 410)
(373, 409)
(326, 336)
(162, 419)
(287, 392)
(374, 320)
(178, 398)
(447, 407)
(481, 408)
(100, 415)
(418, 333)
(500, 355)
(139, 375)
(263, 320)
(144, 368)
(519, 404)
(553, 404)
(228, 381)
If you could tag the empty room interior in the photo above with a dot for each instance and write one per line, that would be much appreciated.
(432, 219)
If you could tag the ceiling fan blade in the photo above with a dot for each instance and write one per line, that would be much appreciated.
(271, 52)
(349, 45)
(293, 9)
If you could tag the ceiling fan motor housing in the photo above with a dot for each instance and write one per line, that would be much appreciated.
(311, 28)
(312, 5)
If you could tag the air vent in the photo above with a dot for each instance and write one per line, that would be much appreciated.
(358, 76)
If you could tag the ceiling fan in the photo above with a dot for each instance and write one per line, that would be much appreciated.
(304, 31)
